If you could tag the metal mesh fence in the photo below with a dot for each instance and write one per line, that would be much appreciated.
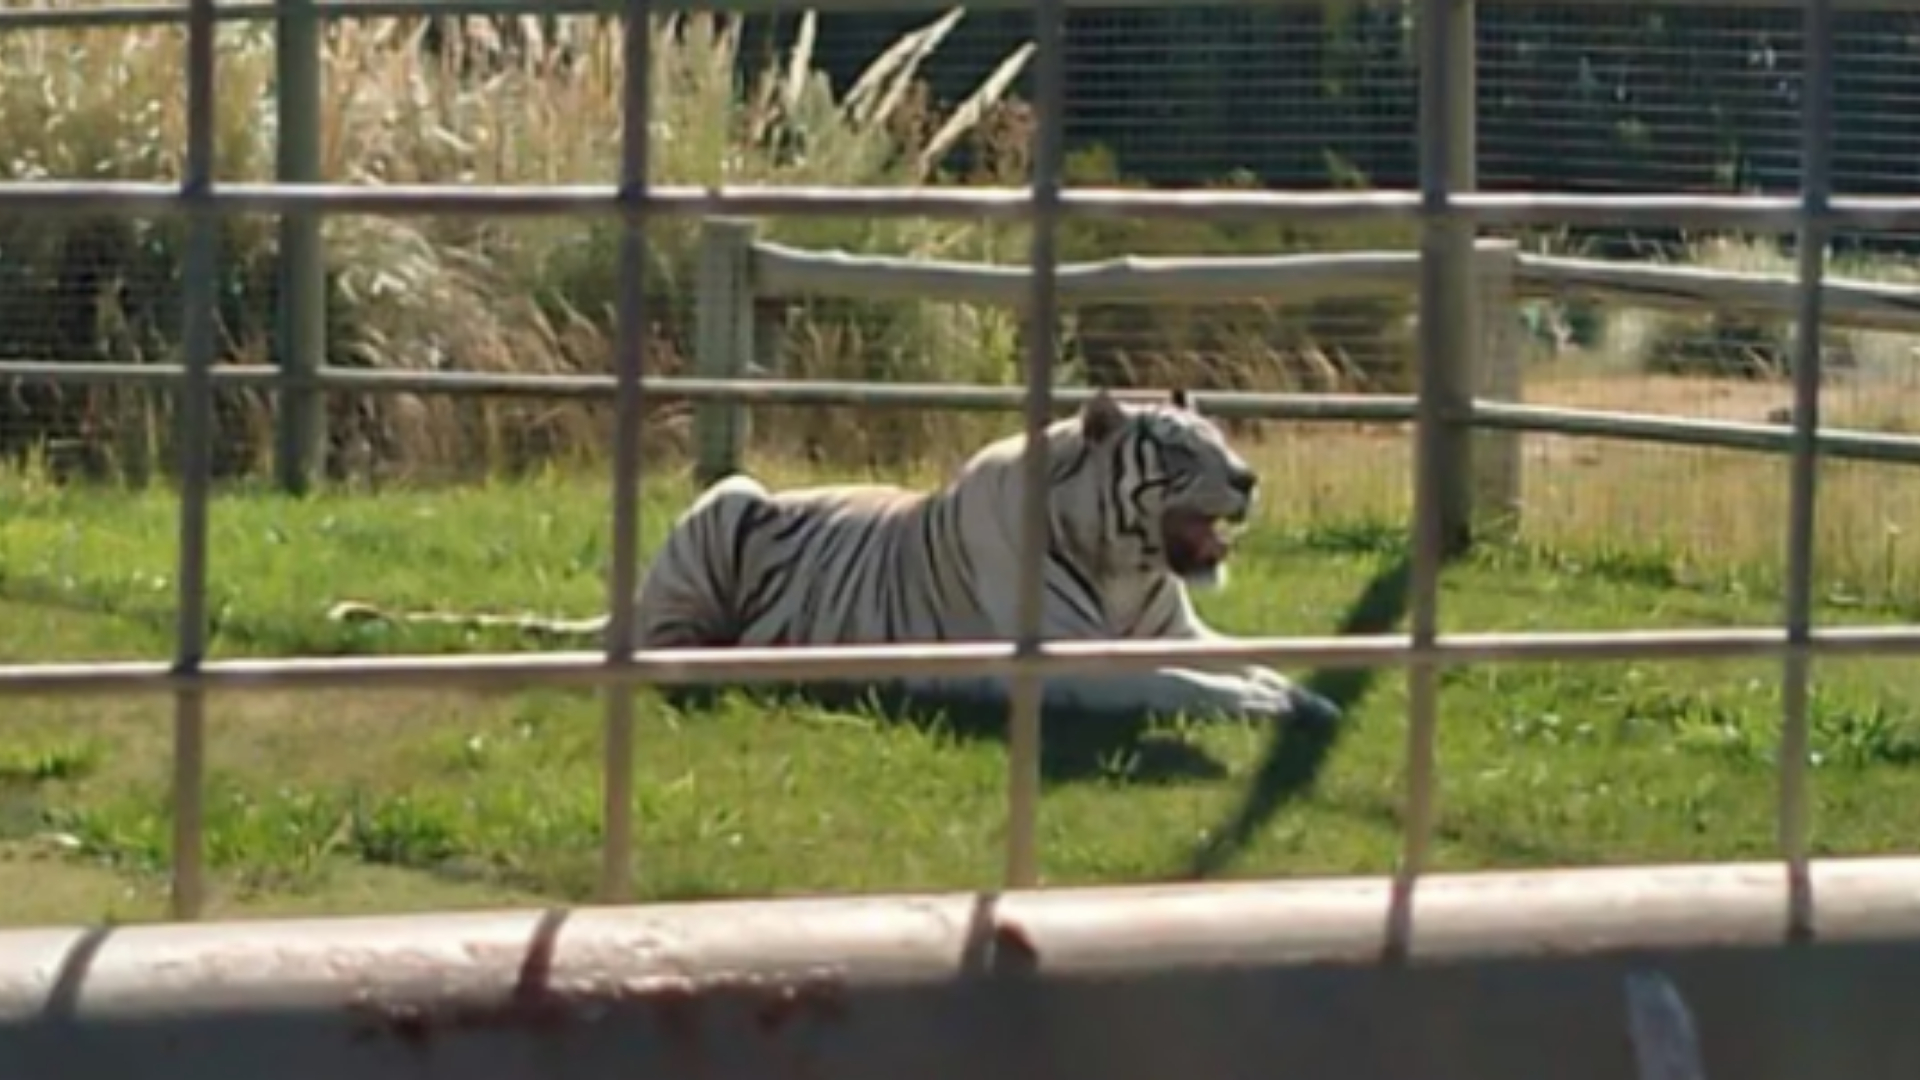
(1155, 97)
(1572, 96)
(1703, 97)
(763, 800)
(1639, 98)
(1644, 98)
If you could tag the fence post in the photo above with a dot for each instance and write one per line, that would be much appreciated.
(300, 427)
(1496, 454)
(723, 345)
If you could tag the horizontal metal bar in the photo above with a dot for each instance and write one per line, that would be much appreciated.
(1381, 408)
(1134, 983)
(512, 671)
(1758, 213)
(257, 10)
(1355, 408)
(1682, 431)
(1328, 408)
(138, 198)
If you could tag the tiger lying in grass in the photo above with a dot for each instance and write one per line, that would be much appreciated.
(1143, 502)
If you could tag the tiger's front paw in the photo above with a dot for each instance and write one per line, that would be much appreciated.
(1285, 700)
(1261, 700)
(1268, 678)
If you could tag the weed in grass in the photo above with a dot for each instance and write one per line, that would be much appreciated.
(30, 764)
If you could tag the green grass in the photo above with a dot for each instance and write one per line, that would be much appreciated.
(354, 801)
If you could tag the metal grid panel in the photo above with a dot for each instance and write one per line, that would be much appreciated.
(1444, 203)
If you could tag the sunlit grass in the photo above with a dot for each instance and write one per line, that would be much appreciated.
(350, 800)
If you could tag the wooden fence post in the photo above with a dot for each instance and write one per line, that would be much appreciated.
(1497, 377)
(724, 342)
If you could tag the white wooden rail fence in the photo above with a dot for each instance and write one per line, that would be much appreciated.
(737, 271)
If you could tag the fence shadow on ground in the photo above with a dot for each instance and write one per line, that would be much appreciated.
(1299, 752)
(1075, 746)
(1083, 745)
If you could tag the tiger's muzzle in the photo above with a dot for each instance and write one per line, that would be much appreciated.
(1199, 537)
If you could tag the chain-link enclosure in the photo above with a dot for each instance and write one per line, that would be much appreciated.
(1468, 125)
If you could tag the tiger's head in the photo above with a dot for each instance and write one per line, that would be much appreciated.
(1173, 493)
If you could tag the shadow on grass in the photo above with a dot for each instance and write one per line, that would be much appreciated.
(1074, 747)
(1299, 752)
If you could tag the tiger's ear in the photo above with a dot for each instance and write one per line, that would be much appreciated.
(1101, 417)
(1180, 399)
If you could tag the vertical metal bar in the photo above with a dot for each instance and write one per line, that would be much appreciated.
(1444, 296)
(1460, 357)
(301, 428)
(623, 576)
(1023, 745)
(192, 439)
(1816, 186)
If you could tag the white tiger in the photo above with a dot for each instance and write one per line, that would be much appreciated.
(1143, 502)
